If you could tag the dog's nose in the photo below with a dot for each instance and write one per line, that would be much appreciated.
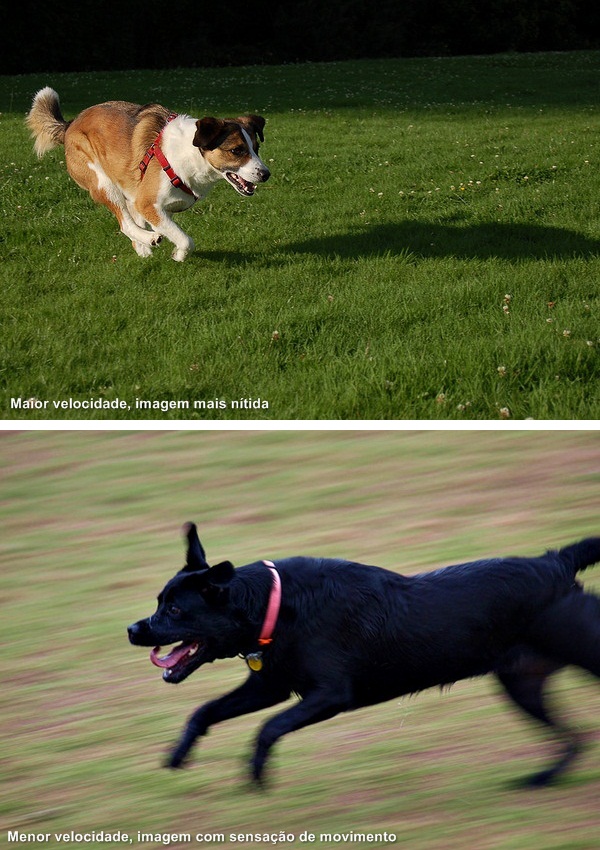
(132, 631)
(264, 175)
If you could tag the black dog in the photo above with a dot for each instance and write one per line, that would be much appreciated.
(343, 635)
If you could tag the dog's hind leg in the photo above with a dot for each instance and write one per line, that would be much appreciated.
(87, 172)
(565, 633)
(141, 249)
(524, 682)
(569, 631)
(110, 196)
(254, 694)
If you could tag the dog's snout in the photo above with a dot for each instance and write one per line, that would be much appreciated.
(133, 632)
(264, 175)
(141, 633)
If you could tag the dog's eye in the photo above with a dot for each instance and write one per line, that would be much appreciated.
(239, 151)
(174, 611)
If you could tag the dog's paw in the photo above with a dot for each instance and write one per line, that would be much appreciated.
(142, 250)
(536, 780)
(179, 254)
(258, 778)
(542, 779)
(174, 762)
(260, 784)
(183, 249)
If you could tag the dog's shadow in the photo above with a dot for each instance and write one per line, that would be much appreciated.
(420, 240)
(417, 240)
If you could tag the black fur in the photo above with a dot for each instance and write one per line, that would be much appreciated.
(350, 635)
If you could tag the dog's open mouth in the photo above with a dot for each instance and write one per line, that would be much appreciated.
(244, 187)
(179, 662)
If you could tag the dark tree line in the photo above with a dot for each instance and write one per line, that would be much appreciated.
(118, 34)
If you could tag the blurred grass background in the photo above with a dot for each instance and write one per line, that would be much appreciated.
(91, 531)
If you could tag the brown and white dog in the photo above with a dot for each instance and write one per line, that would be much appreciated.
(144, 162)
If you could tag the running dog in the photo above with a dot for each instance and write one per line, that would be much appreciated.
(144, 162)
(342, 635)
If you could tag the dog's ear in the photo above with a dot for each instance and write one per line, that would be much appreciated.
(213, 584)
(209, 133)
(196, 558)
(256, 123)
(221, 574)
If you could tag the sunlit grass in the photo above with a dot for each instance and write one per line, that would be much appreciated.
(367, 279)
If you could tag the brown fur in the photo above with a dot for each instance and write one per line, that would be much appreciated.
(116, 135)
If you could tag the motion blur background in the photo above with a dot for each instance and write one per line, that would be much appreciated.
(92, 530)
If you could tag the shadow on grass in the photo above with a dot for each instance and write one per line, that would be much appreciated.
(480, 241)
(419, 240)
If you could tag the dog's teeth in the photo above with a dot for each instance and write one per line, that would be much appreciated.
(193, 650)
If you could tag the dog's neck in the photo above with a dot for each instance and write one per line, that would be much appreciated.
(254, 660)
(193, 169)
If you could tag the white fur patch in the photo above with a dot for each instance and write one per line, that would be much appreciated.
(106, 185)
(117, 198)
(252, 169)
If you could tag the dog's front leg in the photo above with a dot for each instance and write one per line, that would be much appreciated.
(160, 220)
(257, 692)
(315, 707)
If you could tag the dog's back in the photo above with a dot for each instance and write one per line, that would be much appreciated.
(140, 125)
(393, 634)
(113, 135)
(134, 126)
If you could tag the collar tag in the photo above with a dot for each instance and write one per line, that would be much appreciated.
(254, 661)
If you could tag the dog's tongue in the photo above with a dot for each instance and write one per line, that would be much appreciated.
(176, 654)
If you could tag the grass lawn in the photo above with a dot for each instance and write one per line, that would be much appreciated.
(91, 531)
(427, 247)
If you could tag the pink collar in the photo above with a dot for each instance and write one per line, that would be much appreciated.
(272, 608)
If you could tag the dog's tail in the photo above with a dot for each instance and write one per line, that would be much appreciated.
(46, 122)
(583, 554)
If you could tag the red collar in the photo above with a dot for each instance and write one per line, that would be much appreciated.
(155, 151)
(272, 608)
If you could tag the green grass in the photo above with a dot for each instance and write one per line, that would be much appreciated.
(366, 280)
(91, 532)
